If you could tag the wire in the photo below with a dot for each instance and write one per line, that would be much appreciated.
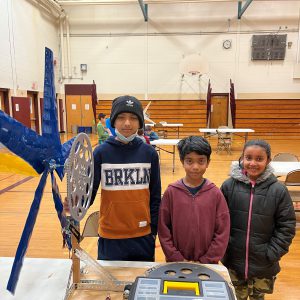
(13, 40)
(10, 47)
(298, 42)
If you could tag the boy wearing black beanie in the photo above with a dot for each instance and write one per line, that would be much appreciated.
(128, 170)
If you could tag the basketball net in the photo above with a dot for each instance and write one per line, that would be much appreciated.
(193, 73)
(192, 65)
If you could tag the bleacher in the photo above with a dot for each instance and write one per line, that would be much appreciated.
(271, 119)
(191, 113)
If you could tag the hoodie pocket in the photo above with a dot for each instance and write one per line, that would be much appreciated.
(125, 217)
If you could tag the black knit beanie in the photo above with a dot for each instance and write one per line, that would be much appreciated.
(128, 104)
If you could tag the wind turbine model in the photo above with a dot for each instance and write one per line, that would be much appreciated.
(47, 155)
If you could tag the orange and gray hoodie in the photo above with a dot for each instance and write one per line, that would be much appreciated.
(130, 188)
(193, 227)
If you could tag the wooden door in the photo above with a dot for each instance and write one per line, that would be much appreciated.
(2, 100)
(4, 103)
(34, 112)
(41, 108)
(61, 115)
(87, 114)
(219, 110)
(21, 110)
(73, 108)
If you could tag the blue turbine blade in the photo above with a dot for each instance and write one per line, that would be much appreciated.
(65, 151)
(24, 142)
(50, 124)
(26, 234)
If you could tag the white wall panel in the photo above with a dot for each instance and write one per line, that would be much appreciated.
(124, 54)
(30, 31)
(176, 30)
(6, 73)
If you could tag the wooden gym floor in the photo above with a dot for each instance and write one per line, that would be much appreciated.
(17, 191)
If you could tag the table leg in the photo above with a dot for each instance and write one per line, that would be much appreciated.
(75, 260)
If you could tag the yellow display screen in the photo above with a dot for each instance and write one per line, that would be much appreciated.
(181, 286)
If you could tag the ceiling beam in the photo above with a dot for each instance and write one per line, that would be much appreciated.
(144, 8)
(242, 9)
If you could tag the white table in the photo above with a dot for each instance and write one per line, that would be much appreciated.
(235, 131)
(281, 168)
(175, 125)
(47, 279)
(167, 142)
(40, 278)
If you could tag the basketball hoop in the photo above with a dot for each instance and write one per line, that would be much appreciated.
(193, 73)
(193, 64)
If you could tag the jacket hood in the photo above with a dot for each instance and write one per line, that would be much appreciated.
(113, 141)
(207, 186)
(237, 173)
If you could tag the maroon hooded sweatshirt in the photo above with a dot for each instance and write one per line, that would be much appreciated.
(193, 227)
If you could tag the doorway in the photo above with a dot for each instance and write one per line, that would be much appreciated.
(219, 110)
(34, 111)
(4, 103)
(79, 111)
(61, 115)
(21, 110)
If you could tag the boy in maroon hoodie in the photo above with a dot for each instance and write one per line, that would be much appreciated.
(194, 221)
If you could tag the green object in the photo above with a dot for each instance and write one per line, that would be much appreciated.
(102, 133)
